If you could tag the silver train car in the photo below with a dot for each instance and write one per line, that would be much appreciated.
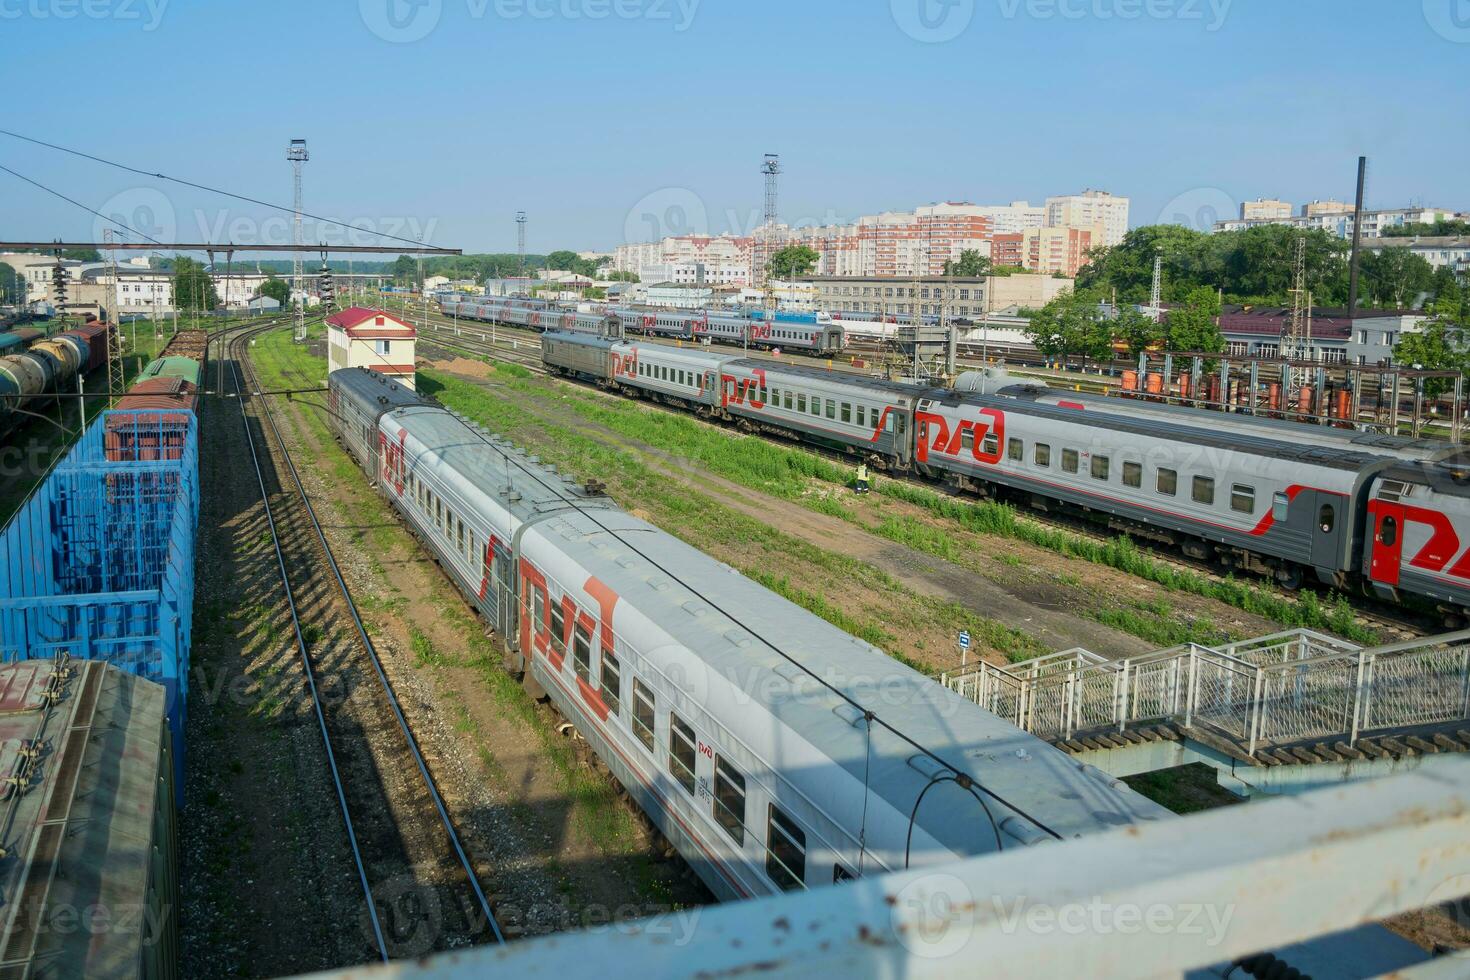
(774, 751)
(1389, 519)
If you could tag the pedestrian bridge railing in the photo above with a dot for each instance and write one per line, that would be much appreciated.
(1271, 690)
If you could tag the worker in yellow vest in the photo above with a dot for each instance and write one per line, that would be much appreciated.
(862, 478)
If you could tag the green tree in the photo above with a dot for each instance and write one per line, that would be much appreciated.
(621, 276)
(1437, 229)
(970, 263)
(12, 286)
(193, 286)
(1071, 324)
(277, 289)
(406, 269)
(1193, 326)
(1438, 346)
(791, 261)
(1137, 330)
(1394, 277)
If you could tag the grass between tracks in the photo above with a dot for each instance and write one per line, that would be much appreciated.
(757, 550)
(799, 475)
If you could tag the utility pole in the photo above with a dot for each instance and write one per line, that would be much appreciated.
(521, 244)
(297, 155)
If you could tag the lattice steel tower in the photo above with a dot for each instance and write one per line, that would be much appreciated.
(297, 155)
(521, 243)
(1296, 334)
(771, 168)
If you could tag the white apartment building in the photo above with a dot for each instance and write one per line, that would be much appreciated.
(1441, 252)
(1088, 209)
(35, 269)
(696, 272)
(1340, 223)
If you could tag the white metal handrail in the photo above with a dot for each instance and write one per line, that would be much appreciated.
(1276, 689)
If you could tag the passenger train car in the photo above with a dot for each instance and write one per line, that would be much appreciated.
(1251, 498)
(746, 330)
(773, 750)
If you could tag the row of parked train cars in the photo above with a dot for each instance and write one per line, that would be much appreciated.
(34, 364)
(1387, 514)
(805, 334)
(775, 751)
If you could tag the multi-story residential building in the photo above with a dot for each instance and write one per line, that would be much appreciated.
(960, 296)
(1440, 251)
(1048, 250)
(1265, 209)
(1090, 209)
(696, 273)
(1312, 208)
(134, 291)
(710, 250)
(1340, 223)
(36, 269)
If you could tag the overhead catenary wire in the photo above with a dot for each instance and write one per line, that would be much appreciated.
(68, 200)
(964, 779)
(207, 188)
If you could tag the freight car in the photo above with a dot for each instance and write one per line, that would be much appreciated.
(160, 404)
(1251, 500)
(38, 365)
(773, 750)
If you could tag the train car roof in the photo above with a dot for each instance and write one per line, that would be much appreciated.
(735, 626)
(864, 381)
(1325, 456)
(375, 388)
(586, 340)
(1284, 428)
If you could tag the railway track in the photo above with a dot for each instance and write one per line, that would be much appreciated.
(421, 891)
(1381, 618)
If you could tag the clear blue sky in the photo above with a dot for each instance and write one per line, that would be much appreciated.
(592, 115)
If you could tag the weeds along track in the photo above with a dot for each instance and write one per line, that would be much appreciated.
(1369, 614)
(421, 891)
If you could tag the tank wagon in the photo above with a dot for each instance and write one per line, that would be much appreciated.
(33, 365)
(773, 750)
(1249, 498)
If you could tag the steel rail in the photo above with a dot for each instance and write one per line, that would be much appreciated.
(316, 702)
(377, 663)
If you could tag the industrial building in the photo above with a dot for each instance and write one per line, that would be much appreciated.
(960, 296)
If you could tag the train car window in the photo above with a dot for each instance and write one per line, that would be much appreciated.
(1327, 518)
(831, 409)
(1042, 454)
(1280, 506)
(900, 425)
(816, 405)
(730, 800)
(612, 681)
(801, 403)
(643, 713)
(847, 412)
(785, 851)
(582, 654)
(538, 610)
(990, 445)
(1132, 474)
(1204, 490)
(888, 421)
(841, 874)
(967, 439)
(1167, 482)
(681, 752)
(1243, 498)
(1069, 460)
(859, 416)
(1015, 450)
(558, 628)
(1388, 532)
(1100, 466)
(786, 399)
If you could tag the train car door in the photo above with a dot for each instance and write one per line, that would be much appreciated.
(1328, 512)
(1387, 521)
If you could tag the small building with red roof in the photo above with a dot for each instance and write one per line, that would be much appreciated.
(372, 339)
